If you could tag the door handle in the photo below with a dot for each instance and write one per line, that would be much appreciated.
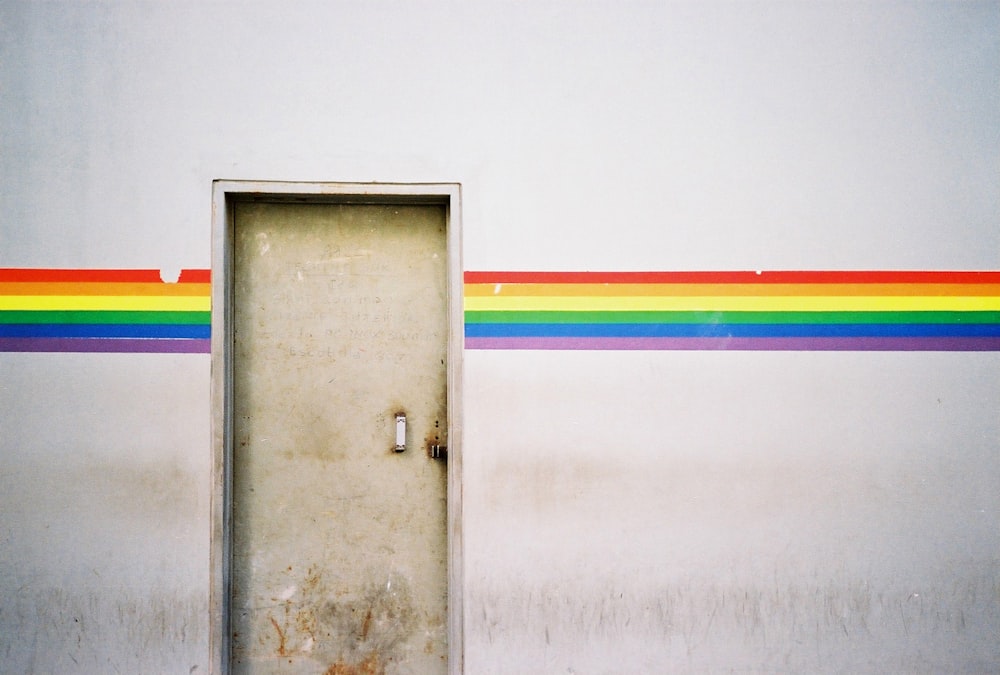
(400, 432)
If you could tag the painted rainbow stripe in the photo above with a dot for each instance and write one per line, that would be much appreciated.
(63, 310)
(47, 310)
(796, 311)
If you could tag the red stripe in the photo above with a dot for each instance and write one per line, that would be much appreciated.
(743, 277)
(84, 276)
(195, 277)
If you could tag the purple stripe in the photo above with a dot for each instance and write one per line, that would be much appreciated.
(904, 344)
(122, 345)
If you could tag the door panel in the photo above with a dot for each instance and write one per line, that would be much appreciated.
(339, 542)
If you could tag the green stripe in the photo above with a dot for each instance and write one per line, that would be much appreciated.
(486, 316)
(109, 317)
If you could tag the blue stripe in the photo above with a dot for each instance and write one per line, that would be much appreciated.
(747, 330)
(101, 330)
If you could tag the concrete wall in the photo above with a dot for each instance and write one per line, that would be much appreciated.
(625, 512)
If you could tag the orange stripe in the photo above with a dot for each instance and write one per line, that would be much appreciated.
(675, 290)
(103, 288)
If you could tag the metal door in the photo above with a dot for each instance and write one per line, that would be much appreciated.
(339, 558)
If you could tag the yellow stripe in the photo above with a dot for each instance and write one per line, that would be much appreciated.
(107, 302)
(736, 303)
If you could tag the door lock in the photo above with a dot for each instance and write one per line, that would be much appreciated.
(437, 451)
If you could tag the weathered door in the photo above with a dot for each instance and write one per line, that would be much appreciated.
(339, 541)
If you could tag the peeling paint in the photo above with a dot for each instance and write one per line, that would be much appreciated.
(170, 275)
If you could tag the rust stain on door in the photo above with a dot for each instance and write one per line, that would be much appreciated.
(282, 650)
(369, 666)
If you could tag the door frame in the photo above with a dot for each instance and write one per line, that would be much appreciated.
(226, 193)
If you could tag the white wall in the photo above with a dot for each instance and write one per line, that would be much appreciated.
(625, 512)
